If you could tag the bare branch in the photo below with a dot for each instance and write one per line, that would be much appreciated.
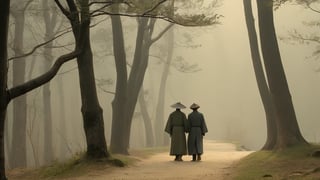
(171, 20)
(311, 8)
(44, 43)
(161, 33)
(101, 8)
(106, 91)
(38, 46)
(42, 79)
(27, 5)
(63, 10)
(155, 7)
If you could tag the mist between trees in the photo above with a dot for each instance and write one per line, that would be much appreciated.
(131, 68)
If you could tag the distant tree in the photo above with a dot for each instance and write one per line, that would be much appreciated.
(6, 95)
(18, 150)
(307, 37)
(288, 132)
(149, 133)
(50, 21)
(144, 41)
(260, 78)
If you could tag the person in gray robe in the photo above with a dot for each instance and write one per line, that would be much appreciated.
(197, 129)
(177, 126)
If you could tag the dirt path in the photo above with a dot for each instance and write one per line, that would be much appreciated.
(217, 159)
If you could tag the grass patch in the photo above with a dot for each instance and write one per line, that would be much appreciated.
(79, 165)
(291, 163)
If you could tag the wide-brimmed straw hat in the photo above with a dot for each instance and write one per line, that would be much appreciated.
(194, 106)
(178, 105)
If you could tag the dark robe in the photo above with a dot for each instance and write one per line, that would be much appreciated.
(176, 127)
(197, 129)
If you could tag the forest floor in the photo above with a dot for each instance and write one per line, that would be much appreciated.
(217, 163)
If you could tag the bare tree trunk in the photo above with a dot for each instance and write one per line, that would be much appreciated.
(2, 154)
(50, 22)
(93, 122)
(136, 77)
(139, 66)
(288, 129)
(161, 136)
(147, 120)
(119, 102)
(4, 23)
(120, 143)
(92, 112)
(18, 157)
(260, 78)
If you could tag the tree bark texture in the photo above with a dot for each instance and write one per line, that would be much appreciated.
(260, 78)
(93, 122)
(288, 129)
(92, 112)
(4, 23)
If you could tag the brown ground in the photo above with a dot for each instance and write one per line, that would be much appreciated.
(215, 165)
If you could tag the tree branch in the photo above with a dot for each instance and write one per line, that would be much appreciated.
(44, 43)
(63, 10)
(153, 8)
(42, 79)
(101, 8)
(311, 8)
(161, 33)
(151, 16)
(38, 46)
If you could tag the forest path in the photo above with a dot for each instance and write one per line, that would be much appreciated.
(216, 162)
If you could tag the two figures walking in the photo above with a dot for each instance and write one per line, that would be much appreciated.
(178, 124)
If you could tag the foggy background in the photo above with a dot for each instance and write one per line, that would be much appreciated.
(224, 87)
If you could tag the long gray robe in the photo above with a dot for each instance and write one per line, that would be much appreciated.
(197, 129)
(177, 126)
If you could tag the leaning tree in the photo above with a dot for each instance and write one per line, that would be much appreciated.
(288, 132)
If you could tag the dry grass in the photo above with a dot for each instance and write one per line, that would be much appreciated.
(78, 166)
(292, 163)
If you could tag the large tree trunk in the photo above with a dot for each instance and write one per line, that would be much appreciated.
(288, 129)
(260, 78)
(120, 99)
(3, 110)
(147, 120)
(93, 122)
(92, 112)
(18, 156)
(136, 77)
(161, 137)
(120, 143)
(4, 23)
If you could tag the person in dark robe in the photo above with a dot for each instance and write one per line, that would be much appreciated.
(197, 129)
(177, 126)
